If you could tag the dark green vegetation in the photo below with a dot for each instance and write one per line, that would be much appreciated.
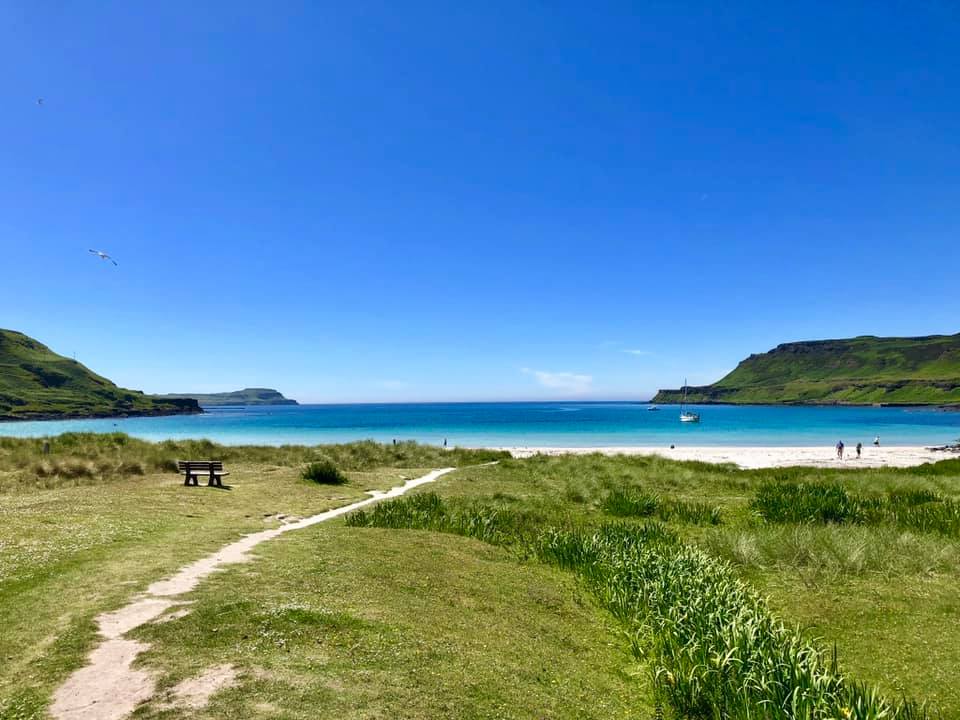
(247, 396)
(545, 587)
(325, 472)
(859, 371)
(918, 509)
(38, 384)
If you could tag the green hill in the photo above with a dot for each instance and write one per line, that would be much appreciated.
(859, 371)
(38, 384)
(247, 396)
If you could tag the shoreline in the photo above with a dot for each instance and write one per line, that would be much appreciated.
(755, 457)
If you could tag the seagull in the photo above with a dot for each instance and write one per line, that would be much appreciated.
(103, 256)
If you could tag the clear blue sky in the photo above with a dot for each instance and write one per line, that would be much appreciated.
(497, 200)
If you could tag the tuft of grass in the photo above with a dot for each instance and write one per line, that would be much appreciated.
(324, 472)
(637, 503)
(916, 508)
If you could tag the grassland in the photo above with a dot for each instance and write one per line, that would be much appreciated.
(857, 371)
(471, 615)
(37, 383)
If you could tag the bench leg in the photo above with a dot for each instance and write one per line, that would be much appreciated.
(186, 479)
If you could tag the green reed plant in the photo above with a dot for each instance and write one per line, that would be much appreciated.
(916, 508)
(323, 472)
(637, 503)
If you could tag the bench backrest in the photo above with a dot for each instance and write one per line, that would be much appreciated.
(204, 465)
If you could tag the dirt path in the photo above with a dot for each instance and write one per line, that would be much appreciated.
(109, 687)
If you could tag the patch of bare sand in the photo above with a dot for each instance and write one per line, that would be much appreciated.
(195, 693)
(109, 687)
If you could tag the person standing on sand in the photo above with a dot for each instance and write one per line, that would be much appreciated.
(859, 448)
(876, 441)
(840, 449)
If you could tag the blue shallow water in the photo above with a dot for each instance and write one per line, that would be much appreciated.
(531, 424)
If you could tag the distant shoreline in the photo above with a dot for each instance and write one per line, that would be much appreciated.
(949, 407)
(755, 457)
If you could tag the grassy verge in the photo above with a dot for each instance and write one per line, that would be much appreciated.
(75, 544)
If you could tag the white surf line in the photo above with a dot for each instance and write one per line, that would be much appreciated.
(108, 687)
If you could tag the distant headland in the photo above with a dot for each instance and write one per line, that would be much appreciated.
(864, 370)
(247, 396)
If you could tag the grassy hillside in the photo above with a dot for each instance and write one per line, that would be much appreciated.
(859, 371)
(38, 384)
(247, 396)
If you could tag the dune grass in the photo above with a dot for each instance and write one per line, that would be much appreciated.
(343, 620)
(92, 458)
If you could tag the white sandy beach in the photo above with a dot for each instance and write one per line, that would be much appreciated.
(764, 457)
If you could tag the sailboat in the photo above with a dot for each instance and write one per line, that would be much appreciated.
(685, 415)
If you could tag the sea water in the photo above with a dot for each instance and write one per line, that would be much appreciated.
(530, 424)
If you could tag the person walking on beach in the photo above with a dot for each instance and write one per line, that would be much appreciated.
(840, 449)
(876, 441)
(859, 448)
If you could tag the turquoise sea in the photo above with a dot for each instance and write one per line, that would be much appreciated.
(531, 424)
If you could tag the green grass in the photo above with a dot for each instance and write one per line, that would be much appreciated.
(918, 509)
(323, 471)
(816, 573)
(340, 620)
(97, 535)
(339, 623)
(88, 458)
(861, 370)
(715, 649)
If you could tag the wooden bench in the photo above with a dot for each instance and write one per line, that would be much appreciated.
(192, 469)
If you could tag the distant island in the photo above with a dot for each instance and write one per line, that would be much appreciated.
(864, 370)
(247, 396)
(38, 384)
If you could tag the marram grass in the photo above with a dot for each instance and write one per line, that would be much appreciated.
(715, 649)
(798, 502)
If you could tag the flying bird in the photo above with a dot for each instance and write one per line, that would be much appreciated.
(103, 256)
(39, 101)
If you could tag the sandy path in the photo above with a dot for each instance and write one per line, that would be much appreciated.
(109, 687)
(766, 457)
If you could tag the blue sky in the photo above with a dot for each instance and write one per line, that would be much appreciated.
(451, 201)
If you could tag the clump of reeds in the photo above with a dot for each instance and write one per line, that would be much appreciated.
(637, 503)
(324, 472)
(919, 509)
(427, 511)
